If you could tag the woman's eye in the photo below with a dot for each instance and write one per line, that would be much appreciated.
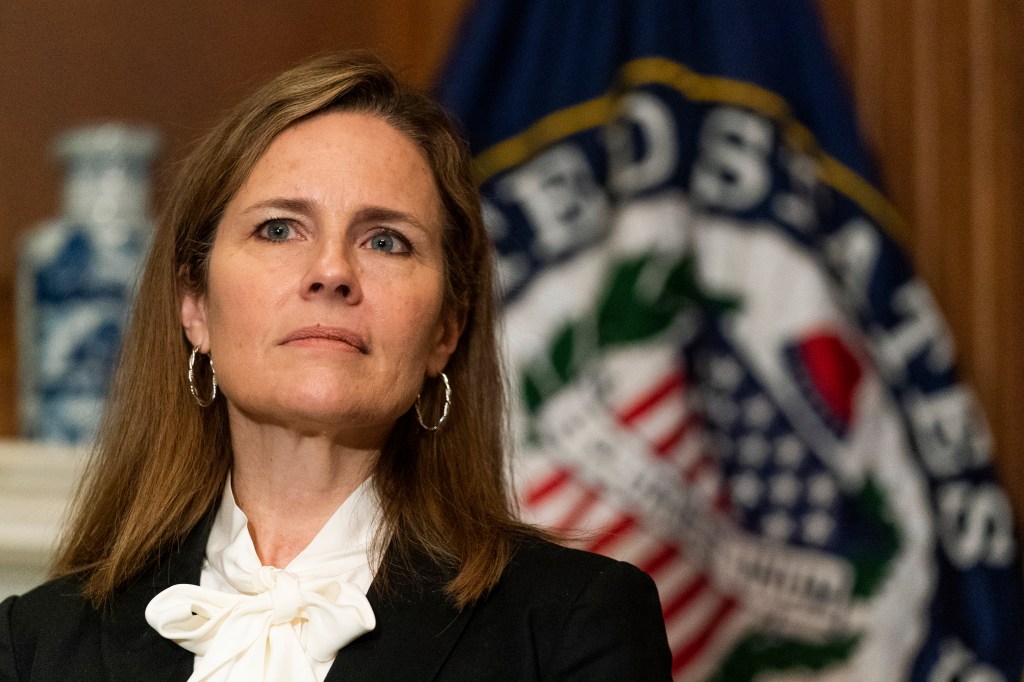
(388, 243)
(276, 230)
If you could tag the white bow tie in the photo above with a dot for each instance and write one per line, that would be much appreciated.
(258, 622)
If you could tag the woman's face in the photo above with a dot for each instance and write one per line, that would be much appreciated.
(323, 311)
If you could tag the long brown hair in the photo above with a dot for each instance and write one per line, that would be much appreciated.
(160, 462)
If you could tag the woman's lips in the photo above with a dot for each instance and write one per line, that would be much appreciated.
(325, 337)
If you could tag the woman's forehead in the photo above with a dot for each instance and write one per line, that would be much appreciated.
(356, 155)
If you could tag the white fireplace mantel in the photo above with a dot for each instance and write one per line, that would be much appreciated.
(36, 483)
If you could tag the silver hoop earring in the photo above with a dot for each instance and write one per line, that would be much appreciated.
(444, 412)
(192, 379)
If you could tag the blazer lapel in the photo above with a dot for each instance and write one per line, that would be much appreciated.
(132, 650)
(416, 630)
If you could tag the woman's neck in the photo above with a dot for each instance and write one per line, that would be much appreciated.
(289, 484)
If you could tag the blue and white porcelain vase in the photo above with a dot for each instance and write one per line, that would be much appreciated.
(76, 279)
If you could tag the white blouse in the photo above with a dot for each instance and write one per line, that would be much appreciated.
(246, 621)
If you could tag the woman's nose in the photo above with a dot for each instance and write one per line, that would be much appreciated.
(333, 272)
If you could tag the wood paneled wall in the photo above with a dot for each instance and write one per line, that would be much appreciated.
(177, 66)
(937, 84)
(940, 95)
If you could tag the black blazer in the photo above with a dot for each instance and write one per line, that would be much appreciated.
(556, 614)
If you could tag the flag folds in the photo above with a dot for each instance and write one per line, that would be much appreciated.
(728, 373)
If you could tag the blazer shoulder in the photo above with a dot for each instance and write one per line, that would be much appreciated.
(543, 565)
(583, 615)
(48, 607)
(45, 623)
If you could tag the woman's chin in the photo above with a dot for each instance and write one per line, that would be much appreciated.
(315, 414)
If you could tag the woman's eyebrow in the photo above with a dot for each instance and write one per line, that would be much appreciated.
(307, 206)
(375, 213)
(293, 205)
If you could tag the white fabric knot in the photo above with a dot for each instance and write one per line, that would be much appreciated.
(252, 622)
(285, 596)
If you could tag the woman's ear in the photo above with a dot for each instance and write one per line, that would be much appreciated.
(449, 330)
(193, 319)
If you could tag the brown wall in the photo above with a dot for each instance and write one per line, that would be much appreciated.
(940, 95)
(937, 85)
(162, 64)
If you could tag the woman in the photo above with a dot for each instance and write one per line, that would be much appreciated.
(308, 483)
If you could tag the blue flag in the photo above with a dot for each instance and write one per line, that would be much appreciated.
(728, 373)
